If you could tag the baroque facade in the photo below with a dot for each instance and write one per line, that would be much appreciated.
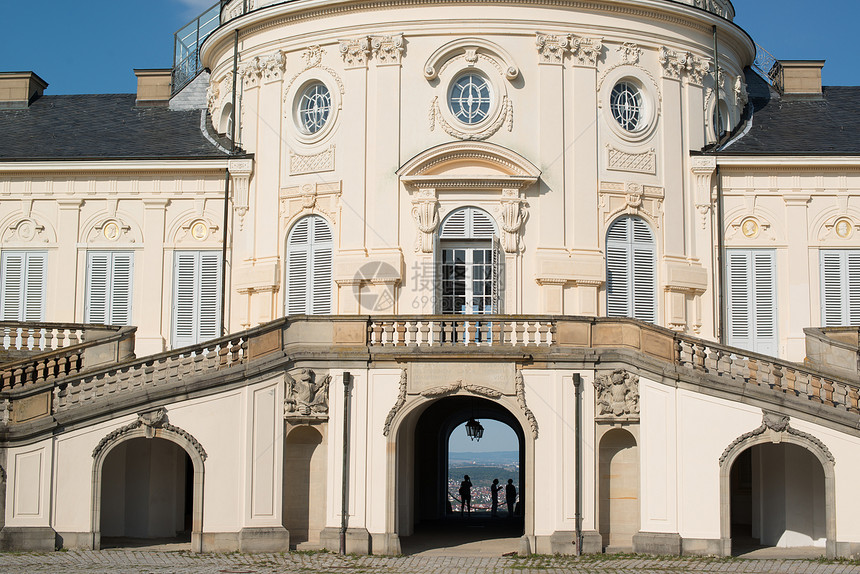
(364, 224)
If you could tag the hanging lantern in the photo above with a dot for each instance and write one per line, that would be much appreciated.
(474, 430)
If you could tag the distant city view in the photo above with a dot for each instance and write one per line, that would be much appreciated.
(482, 468)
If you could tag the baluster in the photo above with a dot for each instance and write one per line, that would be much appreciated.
(752, 366)
(471, 329)
(790, 381)
(400, 329)
(711, 359)
(724, 364)
(520, 332)
(40, 372)
(699, 360)
(29, 374)
(553, 329)
(814, 393)
(507, 333)
(776, 370)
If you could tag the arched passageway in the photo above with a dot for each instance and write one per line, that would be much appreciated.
(618, 489)
(778, 499)
(304, 486)
(424, 517)
(147, 494)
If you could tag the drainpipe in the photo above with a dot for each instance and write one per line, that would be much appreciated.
(224, 252)
(721, 248)
(577, 516)
(344, 500)
(235, 75)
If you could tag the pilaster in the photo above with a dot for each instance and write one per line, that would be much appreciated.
(68, 222)
(152, 334)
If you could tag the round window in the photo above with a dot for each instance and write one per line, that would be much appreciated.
(314, 107)
(471, 99)
(626, 105)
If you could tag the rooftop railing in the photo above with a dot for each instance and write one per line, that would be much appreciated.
(186, 46)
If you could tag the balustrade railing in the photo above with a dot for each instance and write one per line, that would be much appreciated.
(42, 336)
(460, 330)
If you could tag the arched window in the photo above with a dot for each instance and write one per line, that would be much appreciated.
(309, 267)
(469, 262)
(631, 270)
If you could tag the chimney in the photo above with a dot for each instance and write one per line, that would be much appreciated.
(799, 77)
(153, 87)
(18, 89)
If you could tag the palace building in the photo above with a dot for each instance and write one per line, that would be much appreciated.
(248, 304)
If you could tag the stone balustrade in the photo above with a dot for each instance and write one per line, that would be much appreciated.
(237, 8)
(40, 336)
(464, 330)
(152, 372)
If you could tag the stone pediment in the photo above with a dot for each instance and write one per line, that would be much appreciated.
(469, 165)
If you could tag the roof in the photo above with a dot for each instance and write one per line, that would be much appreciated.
(102, 126)
(829, 125)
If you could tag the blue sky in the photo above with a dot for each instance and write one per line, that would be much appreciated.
(92, 46)
(497, 437)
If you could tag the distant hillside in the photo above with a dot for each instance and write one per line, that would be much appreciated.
(483, 475)
(498, 458)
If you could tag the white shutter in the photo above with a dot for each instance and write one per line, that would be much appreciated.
(98, 282)
(631, 270)
(122, 278)
(209, 300)
(184, 299)
(482, 226)
(840, 287)
(740, 299)
(468, 223)
(321, 268)
(764, 295)
(34, 293)
(309, 267)
(752, 300)
(196, 297)
(12, 296)
(455, 226)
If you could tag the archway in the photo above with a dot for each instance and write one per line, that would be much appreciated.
(777, 488)
(777, 499)
(618, 489)
(147, 494)
(422, 518)
(304, 486)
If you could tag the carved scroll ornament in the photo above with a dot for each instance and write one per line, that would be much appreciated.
(617, 394)
(306, 395)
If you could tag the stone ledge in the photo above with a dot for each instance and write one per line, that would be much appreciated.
(357, 540)
(264, 539)
(701, 547)
(659, 543)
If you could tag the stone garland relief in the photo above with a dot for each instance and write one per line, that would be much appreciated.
(314, 163)
(151, 421)
(617, 394)
(504, 117)
(425, 211)
(307, 395)
(616, 198)
(629, 55)
(779, 425)
(513, 215)
(401, 400)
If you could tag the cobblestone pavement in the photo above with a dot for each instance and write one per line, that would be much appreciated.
(150, 562)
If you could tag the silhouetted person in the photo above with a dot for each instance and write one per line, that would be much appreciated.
(494, 493)
(466, 494)
(511, 497)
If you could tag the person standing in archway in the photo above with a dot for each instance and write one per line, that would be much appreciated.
(511, 497)
(494, 494)
(466, 495)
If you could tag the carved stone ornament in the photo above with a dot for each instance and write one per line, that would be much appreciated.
(313, 59)
(313, 163)
(268, 68)
(520, 386)
(504, 117)
(425, 210)
(617, 394)
(240, 176)
(630, 53)
(741, 94)
(685, 65)
(401, 400)
(619, 160)
(779, 425)
(25, 230)
(307, 395)
(703, 169)
(631, 198)
(586, 51)
(552, 47)
(513, 215)
(152, 422)
(355, 51)
(387, 50)
(444, 390)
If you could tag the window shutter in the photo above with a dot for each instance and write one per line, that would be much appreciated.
(840, 287)
(184, 307)
(455, 226)
(13, 286)
(631, 270)
(321, 266)
(209, 301)
(98, 281)
(740, 299)
(752, 300)
(764, 293)
(482, 226)
(34, 294)
(122, 278)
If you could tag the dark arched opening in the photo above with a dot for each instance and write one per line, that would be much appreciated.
(618, 489)
(778, 499)
(424, 520)
(147, 494)
(304, 481)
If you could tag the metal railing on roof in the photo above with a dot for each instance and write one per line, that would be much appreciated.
(186, 46)
(766, 64)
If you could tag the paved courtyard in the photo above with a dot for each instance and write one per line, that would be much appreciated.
(153, 562)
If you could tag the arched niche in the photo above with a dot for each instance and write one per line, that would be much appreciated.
(150, 425)
(304, 498)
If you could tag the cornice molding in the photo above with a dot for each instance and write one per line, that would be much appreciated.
(114, 167)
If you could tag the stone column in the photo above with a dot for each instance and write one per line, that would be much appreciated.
(156, 298)
(68, 232)
(798, 263)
